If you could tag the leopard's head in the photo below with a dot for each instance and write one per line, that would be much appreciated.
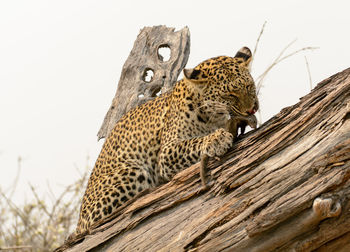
(227, 80)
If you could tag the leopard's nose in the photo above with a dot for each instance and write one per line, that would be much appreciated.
(251, 111)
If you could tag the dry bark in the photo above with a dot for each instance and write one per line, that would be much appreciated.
(283, 187)
(134, 88)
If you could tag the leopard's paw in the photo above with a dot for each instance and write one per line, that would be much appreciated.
(217, 143)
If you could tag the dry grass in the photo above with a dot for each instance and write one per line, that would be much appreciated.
(283, 55)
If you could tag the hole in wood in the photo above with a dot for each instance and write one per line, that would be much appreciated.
(346, 117)
(164, 52)
(156, 92)
(147, 75)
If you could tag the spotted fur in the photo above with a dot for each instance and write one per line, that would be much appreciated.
(153, 142)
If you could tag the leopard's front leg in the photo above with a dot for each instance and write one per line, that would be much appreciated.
(232, 127)
(177, 155)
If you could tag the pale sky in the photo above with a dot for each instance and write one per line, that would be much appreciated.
(60, 62)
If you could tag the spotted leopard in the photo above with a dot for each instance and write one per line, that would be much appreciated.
(156, 140)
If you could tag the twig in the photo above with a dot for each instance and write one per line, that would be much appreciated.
(26, 221)
(308, 71)
(262, 76)
(253, 57)
(279, 59)
(258, 40)
(39, 202)
(51, 194)
(15, 182)
(13, 206)
(297, 51)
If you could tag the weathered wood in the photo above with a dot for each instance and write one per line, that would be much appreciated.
(283, 187)
(135, 87)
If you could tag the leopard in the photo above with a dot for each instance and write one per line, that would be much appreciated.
(153, 142)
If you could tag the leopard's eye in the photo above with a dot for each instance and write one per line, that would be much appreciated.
(234, 88)
(231, 95)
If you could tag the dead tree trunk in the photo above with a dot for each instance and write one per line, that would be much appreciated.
(147, 72)
(283, 187)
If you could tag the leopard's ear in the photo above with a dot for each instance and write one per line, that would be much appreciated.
(195, 75)
(245, 55)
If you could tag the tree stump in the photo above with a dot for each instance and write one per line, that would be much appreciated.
(282, 187)
(147, 73)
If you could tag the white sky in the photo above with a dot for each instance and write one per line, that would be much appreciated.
(60, 63)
